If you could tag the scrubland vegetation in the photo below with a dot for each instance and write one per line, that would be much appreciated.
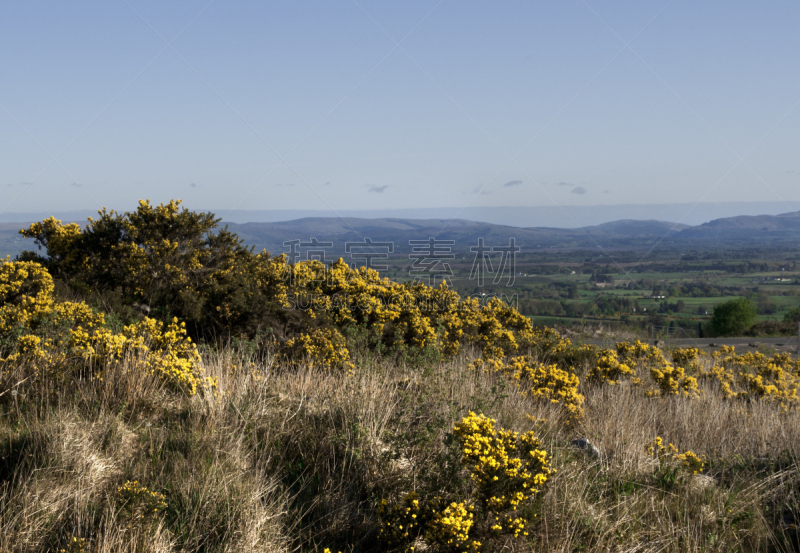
(164, 388)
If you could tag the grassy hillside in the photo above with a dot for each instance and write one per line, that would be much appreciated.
(163, 388)
(284, 459)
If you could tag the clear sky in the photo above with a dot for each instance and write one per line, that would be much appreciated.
(390, 104)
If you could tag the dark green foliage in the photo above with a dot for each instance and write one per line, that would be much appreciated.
(734, 317)
(792, 316)
(163, 262)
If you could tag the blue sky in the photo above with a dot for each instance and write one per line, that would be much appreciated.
(480, 104)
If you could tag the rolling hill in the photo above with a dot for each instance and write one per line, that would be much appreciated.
(731, 232)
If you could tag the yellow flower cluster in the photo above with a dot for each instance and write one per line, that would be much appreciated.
(773, 378)
(449, 528)
(609, 370)
(669, 454)
(26, 293)
(57, 336)
(76, 545)
(687, 357)
(638, 352)
(491, 327)
(506, 467)
(659, 450)
(543, 343)
(673, 381)
(514, 525)
(556, 385)
(140, 500)
(669, 379)
(324, 348)
(691, 461)
(408, 312)
(361, 297)
(539, 381)
(61, 239)
(401, 523)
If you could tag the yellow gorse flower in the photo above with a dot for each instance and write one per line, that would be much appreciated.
(669, 454)
(59, 336)
(506, 469)
(141, 501)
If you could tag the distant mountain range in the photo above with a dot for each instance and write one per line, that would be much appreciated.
(567, 216)
(732, 232)
(743, 231)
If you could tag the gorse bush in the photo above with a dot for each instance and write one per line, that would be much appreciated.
(506, 469)
(609, 369)
(668, 454)
(326, 348)
(755, 376)
(63, 339)
(673, 381)
(141, 502)
(170, 262)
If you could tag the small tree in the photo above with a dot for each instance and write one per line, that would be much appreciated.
(792, 316)
(733, 317)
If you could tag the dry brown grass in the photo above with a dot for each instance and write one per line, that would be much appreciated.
(281, 460)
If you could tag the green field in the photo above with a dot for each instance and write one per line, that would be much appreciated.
(578, 289)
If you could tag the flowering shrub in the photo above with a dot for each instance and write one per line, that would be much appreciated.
(76, 545)
(659, 450)
(609, 370)
(323, 347)
(669, 379)
(539, 381)
(58, 337)
(502, 480)
(173, 261)
(449, 528)
(673, 381)
(687, 357)
(400, 523)
(640, 353)
(507, 469)
(491, 327)
(756, 376)
(668, 454)
(139, 501)
(544, 343)
(556, 385)
(691, 461)
(26, 290)
(168, 258)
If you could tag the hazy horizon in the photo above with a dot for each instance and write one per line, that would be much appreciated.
(516, 216)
